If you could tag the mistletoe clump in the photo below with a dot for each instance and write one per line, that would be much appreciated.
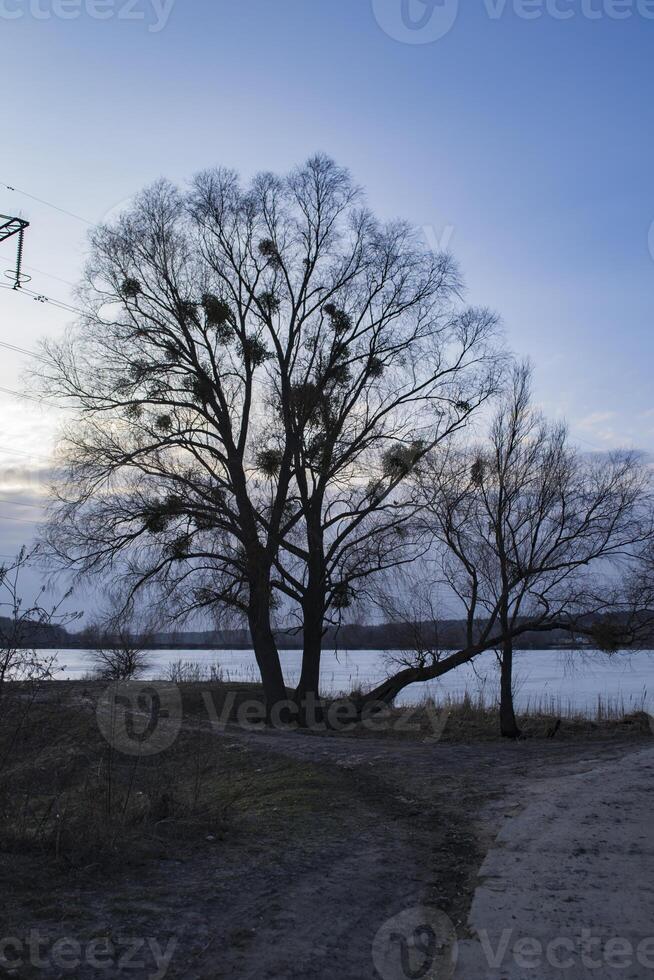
(376, 367)
(340, 374)
(188, 310)
(305, 399)
(155, 519)
(255, 352)
(342, 596)
(375, 492)
(607, 636)
(340, 320)
(158, 514)
(202, 388)
(218, 316)
(269, 303)
(317, 452)
(205, 597)
(477, 472)
(130, 288)
(164, 423)
(180, 547)
(172, 351)
(399, 460)
(269, 250)
(269, 461)
(138, 370)
(217, 496)
(204, 520)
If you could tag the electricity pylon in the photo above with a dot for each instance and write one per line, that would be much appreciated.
(15, 226)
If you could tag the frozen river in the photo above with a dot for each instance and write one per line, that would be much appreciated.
(560, 679)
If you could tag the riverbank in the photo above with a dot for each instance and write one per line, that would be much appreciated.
(559, 682)
(249, 854)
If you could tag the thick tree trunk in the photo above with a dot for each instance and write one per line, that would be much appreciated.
(307, 694)
(388, 690)
(508, 724)
(267, 655)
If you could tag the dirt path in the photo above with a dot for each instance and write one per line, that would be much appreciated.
(567, 890)
(434, 811)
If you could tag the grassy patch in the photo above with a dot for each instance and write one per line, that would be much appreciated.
(68, 794)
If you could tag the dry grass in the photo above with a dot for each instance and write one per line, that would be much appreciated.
(65, 793)
(476, 718)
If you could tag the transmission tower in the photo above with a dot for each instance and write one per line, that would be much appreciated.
(10, 226)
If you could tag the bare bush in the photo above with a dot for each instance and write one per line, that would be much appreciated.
(26, 628)
(121, 648)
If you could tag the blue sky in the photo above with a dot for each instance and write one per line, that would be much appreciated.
(525, 144)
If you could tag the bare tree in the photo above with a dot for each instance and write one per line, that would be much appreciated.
(244, 356)
(531, 535)
(27, 629)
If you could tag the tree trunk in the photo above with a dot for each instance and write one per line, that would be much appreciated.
(508, 724)
(307, 694)
(313, 609)
(388, 690)
(267, 655)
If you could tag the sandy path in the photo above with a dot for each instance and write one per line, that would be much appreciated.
(573, 868)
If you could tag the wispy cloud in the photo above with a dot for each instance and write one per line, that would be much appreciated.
(599, 426)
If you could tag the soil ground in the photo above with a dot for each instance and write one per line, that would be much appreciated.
(320, 841)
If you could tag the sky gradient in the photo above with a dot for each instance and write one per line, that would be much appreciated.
(524, 145)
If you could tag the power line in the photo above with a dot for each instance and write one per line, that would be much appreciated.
(42, 298)
(32, 398)
(18, 452)
(21, 350)
(19, 503)
(48, 204)
(17, 520)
